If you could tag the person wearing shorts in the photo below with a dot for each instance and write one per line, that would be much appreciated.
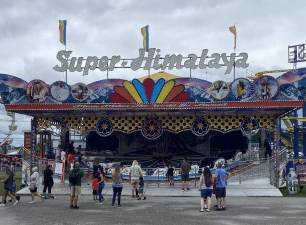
(8, 187)
(221, 176)
(170, 175)
(185, 168)
(34, 182)
(135, 173)
(75, 180)
(206, 188)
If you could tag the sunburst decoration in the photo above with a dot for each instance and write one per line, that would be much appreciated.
(104, 127)
(152, 128)
(200, 126)
(249, 126)
(149, 92)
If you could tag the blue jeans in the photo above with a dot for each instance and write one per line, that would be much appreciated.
(100, 189)
(117, 191)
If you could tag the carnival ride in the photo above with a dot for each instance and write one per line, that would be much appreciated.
(7, 140)
(262, 73)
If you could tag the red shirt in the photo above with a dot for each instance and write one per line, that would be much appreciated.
(70, 158)
(94, 184)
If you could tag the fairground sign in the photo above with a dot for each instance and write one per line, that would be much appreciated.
(151, 60)
(297, 53)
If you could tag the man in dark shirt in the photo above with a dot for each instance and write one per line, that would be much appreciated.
(75, 180)
(170, 175)
(185, 168)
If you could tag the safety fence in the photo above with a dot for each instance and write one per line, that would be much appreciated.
(249, 167)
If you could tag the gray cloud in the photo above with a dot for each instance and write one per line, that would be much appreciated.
(29, 33)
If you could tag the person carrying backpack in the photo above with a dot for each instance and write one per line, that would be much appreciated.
(75, 180)
(206, 188)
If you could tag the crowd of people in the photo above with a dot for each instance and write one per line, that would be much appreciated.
(208, 184)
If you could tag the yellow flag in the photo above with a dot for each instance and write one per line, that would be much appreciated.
(233, 30)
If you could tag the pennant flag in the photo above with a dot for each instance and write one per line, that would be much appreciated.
(62, 31)
(145, 35)
(232, 29)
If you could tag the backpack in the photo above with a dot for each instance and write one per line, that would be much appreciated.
(74, 177)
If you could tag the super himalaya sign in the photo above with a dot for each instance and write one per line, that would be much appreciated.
(152, 59)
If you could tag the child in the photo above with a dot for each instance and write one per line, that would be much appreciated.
(141, 189)
(94, 185)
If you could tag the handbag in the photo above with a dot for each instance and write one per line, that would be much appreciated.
(32, 187)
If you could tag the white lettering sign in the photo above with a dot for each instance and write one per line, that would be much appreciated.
(150, 60)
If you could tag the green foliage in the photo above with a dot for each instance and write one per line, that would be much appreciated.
(285, 193)
(18, 179)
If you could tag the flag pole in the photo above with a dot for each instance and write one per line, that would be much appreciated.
(235, 64)
(65, 51)
(66, 76)
(233, 30)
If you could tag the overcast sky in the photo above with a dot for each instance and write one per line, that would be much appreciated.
(29, 34)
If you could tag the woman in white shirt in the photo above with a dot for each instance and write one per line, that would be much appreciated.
(34, 183)
(135, 173)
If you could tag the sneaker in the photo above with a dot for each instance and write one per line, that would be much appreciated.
(31, 202)
(205, 206)
(71, 206)
(76, 207)
(119, 206)
(138, 198)
(2, 204)
(223, 208)
(144, 198)
(15, 203)
(201, 210)
(207, 210)
(188, 189)
(218, 209)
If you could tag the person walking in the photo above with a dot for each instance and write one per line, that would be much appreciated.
(48, 182)
(8, 187)
(94, 186)
(34, 183)
(221, 177)
(170, 175)
(206, 188)
(135, 173)
(141, 189)
(101, 185)
(75, 180)
(117, 185)
(185, 168)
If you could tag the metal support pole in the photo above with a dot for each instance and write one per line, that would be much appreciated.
(276, 152)
(304, 125)
(296, 137)
(158, 182)
(66, 73)
(235, 65)
(33, 161)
